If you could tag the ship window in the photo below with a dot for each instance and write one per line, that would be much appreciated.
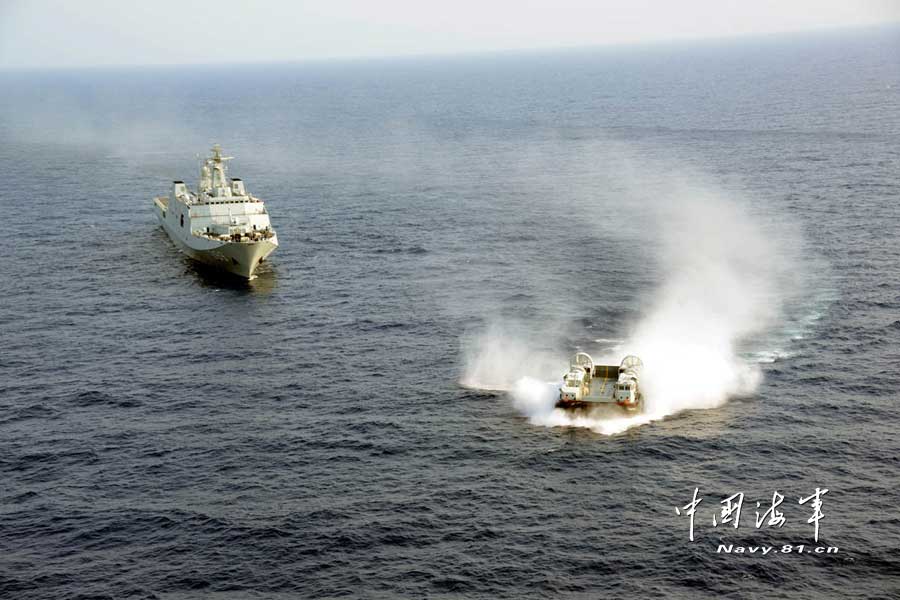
(182, 220)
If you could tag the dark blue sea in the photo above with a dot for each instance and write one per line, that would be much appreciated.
(368, 418)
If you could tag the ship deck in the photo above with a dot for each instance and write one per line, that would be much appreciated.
(603, 391)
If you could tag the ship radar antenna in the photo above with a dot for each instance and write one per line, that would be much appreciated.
(217, 154)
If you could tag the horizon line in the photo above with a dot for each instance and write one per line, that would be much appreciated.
(361, 58)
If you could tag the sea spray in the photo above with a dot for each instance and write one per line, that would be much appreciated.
(725, 275)
(497, 358)
(536, 399)
(723, 284)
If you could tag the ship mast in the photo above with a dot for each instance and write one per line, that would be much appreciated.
(212, 174)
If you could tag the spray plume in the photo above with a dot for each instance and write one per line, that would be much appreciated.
(724, 273)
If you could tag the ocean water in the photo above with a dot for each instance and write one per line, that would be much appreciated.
(367, 418)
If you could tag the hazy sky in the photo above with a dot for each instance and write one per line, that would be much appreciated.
(39, 33)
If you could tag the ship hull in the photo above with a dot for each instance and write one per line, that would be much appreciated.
(238, 258)
(586, 405)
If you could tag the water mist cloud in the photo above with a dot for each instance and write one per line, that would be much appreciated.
(725, 275)
(721, 285)
(499, 357)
